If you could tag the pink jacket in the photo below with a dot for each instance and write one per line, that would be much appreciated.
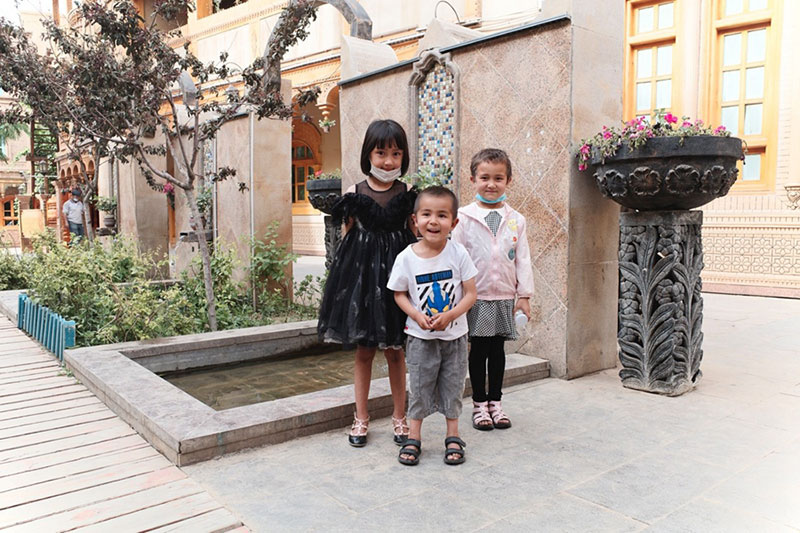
(504, 261)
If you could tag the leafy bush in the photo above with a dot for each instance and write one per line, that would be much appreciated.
(108, 292)
(14, 271)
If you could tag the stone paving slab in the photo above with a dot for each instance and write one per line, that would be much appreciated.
(583, 455)
(67, 461)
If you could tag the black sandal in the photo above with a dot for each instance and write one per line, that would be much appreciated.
(412, 447)
(460, 452)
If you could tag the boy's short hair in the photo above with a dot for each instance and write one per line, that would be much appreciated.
(383, 134)
(492, 155)
(437, 191)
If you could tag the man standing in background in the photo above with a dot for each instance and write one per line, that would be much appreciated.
(73, 214)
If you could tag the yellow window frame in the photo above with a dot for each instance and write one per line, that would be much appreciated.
(766, 142)
(651, 39)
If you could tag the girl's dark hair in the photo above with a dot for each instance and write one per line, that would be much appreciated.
(384, 134)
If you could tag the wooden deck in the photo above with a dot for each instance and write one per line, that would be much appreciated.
(68, 463)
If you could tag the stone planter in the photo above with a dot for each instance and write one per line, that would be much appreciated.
(666, 175)
(109, 220)
(660, 313)
(323, 194)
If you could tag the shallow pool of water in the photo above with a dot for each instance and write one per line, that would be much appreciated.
(252, 382)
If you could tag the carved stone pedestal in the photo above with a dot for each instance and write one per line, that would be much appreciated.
(660, 306)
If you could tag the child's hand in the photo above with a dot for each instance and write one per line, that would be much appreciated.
(441, 321)
(423, 320)
(523, 304)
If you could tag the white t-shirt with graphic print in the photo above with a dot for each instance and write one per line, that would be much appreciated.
(434, 286)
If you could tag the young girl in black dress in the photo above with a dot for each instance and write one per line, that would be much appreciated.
(357, 308)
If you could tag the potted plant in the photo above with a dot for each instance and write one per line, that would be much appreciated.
(326, 124)
(427, 176)
(108, 205)
(324, 189)
(661, 170)
(658, 164)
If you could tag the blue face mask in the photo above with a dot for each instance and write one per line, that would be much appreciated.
(485, 201)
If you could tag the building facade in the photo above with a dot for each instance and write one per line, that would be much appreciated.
(728, 62)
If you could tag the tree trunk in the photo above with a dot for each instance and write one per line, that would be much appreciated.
(199, 230)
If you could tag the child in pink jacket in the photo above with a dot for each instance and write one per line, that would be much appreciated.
(494, 235)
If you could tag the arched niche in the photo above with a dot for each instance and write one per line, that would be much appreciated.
(435, 115)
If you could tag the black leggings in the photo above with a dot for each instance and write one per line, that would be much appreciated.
(485, 349)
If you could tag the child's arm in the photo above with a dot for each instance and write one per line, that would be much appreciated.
(404, 303)
(524, 273)
(469, 293)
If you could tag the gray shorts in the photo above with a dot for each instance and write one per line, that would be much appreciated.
(436, 372)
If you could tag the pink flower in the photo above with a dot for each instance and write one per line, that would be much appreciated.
(318, 173)
(698, 122)
(606, 134)
(686, 124)
(582, 166)
(669, 117)
(169, 188)
(719, 129)
(585, 149)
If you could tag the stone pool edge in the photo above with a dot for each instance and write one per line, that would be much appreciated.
(187, 431)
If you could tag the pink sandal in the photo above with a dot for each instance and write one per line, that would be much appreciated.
(481, 419)
(499, 418)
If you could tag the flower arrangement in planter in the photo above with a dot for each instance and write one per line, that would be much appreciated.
(326, 124)
(108, 205)
(427, 176)
(324, 189)
(663, 163)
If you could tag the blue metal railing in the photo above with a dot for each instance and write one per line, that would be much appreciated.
(53, 331)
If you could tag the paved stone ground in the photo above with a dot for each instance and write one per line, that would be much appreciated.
(584, 455)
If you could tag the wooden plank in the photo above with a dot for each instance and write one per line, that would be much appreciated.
(30, 375)
(58, 434)
(158, 515)
(33, 379)
(52, 425)
(52, 411)
(73, 468)
(17, 361)
(83, 498)
(43, 461)
(47, 393)
(53, 382)
(79, 392)
(30, 367)
(120, 429)
(95, 478)
(212, 522)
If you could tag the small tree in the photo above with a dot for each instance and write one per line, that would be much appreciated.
(113, 80)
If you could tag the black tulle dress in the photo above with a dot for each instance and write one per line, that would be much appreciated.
(357, 308)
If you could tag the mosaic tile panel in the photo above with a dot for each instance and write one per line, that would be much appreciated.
(436, 121)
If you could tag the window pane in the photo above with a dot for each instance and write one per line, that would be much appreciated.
(664, 60)
(754, 83)
(757, 5)
(645, 20)
(301, 174)
(732, 49)
(751, 170)
(301, 193)
(663, 94)
(752, 119)
(733, 6)
(730, 119)
(730, 85)
(665, 16)
(643, 95)
(756, 45)
(644, 63)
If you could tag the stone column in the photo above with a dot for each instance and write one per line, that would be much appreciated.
(660, 305)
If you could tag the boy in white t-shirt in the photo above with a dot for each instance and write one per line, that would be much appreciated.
(434, 284)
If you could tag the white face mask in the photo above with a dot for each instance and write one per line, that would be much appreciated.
(386, 176)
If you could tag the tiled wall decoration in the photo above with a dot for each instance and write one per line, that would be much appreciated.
(435, 103)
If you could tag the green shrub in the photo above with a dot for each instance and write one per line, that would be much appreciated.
(14, 271)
